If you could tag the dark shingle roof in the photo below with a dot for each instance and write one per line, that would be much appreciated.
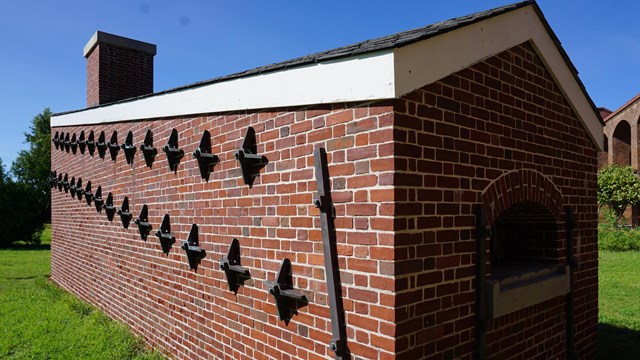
(386, 42)
(396, 40)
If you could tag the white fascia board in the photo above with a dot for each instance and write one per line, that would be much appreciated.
(362, 77)
(430, 60)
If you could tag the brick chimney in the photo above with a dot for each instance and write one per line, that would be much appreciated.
(117, 68)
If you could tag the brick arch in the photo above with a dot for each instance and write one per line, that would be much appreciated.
(521, 185)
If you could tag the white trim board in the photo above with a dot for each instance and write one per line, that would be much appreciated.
(378, 75)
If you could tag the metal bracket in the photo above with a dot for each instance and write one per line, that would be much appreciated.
(72, 186)
(101, 145)
(148, 151)
(109, 208)
(91, 144)
(59, 182)
(250, 161)
(324, 203)
(88, 195)
(143, 223)
(206, 159)
(236, 274)
(67, 143)
(481, 283)
(288, 300)
(192, 248)
(52, 179)
(74, 144)
(569, 227)
(56, 140)
(113, 146)
(65, 183)
(164, 235)
(174, 153)
(128, 148)
(97, 199)
(81, 142)
(61, 141)
(124, 213)
(79, 190)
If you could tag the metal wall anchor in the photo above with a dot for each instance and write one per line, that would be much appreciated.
(67, 143)
(81, 142)
(56, 140)
(148, 151)
(288, 300)
(192, 248)
(65, 182)
(52, 179)
(143, 223)
(124, 213)
(206, 160)
(164, 235)
(79, 190)
(250, 161)
(236, 274)
(97, 199)
(59, 182)
(109, 208)
(88, 195)
(91, 144)
(174, 153)
(113, 145)
(74, 144)
(324, 203)
(72, 187)
(128, 148)
(61, 141)
(102, 145)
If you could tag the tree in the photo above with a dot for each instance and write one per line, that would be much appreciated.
(25, 200)
(32, 166)
(618, 187)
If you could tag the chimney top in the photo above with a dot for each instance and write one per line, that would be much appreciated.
(100, 37)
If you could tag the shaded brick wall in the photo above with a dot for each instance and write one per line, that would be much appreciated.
(194, 314)
(454, 139)
(115, 73)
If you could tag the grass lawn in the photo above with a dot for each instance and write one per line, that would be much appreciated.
(40, 321)
(619, 319)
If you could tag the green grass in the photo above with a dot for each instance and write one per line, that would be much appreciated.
(619, 317)
(38, 320)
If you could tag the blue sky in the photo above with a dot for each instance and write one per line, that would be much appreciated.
(41, 63)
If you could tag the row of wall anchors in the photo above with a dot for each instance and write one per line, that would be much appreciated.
(247, 155)
(287, 299)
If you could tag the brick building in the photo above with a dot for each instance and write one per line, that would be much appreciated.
(462, 162)
(621, 135)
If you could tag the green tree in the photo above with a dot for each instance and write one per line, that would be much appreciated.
(618, 187)
(25, 199)
(32, 166)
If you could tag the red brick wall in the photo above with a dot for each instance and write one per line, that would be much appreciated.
(115, 73)
(406, 178)
(194, 314)
(455, 138)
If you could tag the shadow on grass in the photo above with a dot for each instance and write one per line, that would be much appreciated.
(27, 247)
(617, 343)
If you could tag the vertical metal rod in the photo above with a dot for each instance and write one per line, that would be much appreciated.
(481, 283)
(569, 226)
(332, 272)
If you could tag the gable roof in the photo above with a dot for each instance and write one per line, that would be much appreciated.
(382, 68)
